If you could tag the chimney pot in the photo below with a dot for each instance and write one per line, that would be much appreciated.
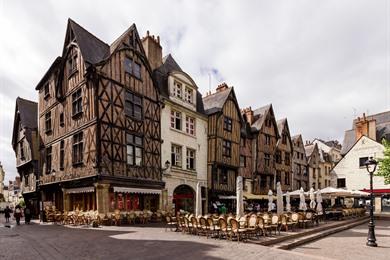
(147, 33)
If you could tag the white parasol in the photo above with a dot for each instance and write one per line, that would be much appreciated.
(198, 206)
(270, 199)
(279, 199)
(302, 203)
(288, 205)
(240, 198)
(319, 203)
(312, 198)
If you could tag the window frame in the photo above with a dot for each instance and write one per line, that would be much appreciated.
(176, 155)
(189, 124)
(188, 95)
(134, 102)
(176, 119)
(77, 103)
(361, 163)
(132, 68)
(132, 147)
(242, 161)
(177, 89)
(78, 148)
(267, 159)
(48, 153)
(227, 124)
(190, 157)
(223, 176)
(48, 125)
(62, 155)
(46, 90)
(226, 148)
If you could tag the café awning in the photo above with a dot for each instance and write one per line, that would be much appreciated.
(224, 197)
(136, 190)
(250, 196)
(80, 190)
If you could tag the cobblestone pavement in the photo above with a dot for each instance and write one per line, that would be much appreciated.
(57, 242)
(351, 244)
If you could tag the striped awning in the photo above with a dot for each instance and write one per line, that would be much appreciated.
(136, 190)
(80, 190)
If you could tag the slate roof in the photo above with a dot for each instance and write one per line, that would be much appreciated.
(296, 137)
(281, 123)
(160, 75)
(92, 48)
(28, 111)
(214, 102)
(259, 117)
(309, 149)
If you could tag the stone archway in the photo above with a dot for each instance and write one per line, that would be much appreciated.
(184, 198)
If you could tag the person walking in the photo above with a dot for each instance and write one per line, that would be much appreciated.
(7, 214)
(27, 215)
(18, 214)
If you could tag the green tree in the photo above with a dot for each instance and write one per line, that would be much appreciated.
(384, 163)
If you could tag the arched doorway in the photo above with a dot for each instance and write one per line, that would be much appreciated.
(184, 198)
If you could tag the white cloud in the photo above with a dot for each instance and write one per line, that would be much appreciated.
(315, 61)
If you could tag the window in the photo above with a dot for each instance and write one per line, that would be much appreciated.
(286, 178)
(299, 169)
(226, 148)
(62, 154)
(46, 89)
(190, 125)
(341, 183)
(176, 119)
(77, 148)
(177, 90)
(268, 122)
(242, 161)
(278, 176)
(26, 180)
(267, 158)
(48, 159)
(278, 156)
(72, 64)
(188, 95)
(62, 119)
(133, 105)
(133, 68)
(284, 139)
(77, 106)
(190, 159)
(227, 124)
(134, 149)
(263, 181)
(223, 176)
(48, 122)
(267, 139)
(287, 159)
(362, 161)
(176, 155)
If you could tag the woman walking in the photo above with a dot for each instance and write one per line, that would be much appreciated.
(7, 214)
(18, 214)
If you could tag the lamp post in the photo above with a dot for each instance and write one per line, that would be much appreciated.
(371, 240)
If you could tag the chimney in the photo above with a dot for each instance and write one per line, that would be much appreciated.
(248, 112)
(365, 125)
(153, 50)
(222, 87)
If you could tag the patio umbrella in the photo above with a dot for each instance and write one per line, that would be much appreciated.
(240, 198)
(270, 199)
(335, 192)
(198, 208)
(302, 203)
(279, 199)
(319, 203)
(288, 205)
(312, 198)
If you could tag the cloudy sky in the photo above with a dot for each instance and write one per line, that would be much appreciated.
(318, 62)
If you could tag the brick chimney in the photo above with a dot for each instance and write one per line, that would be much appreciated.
(222, 87)
(248, 112)
(365, 126)
(153, 50)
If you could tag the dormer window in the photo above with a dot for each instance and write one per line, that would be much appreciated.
(188, 95)
(177, 90)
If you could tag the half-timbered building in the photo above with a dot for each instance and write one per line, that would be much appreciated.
(313, 164)
(25, 144)
(184, 134)
(265, 135)
(300, 171)
(224, 133)
(99, 118)
(283, 156)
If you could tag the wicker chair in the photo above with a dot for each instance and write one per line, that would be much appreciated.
(224, 230)
(275, 223)
(204, 227)
(171, 224)
(213, 228)
(253, 227)
(240, 233)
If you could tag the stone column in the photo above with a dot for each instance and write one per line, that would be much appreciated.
(102, 198)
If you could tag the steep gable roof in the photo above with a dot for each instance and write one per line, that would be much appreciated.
(282, 123)
(161, 74)
(26, 113)
(214, 103)
(260, 114)
(92, 48)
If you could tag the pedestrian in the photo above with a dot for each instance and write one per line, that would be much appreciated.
(7, 214)
(27, 215)
(18, 214)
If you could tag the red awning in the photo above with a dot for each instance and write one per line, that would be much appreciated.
(378, 190)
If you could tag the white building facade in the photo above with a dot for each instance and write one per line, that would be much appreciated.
(184, 134)
(350, 172)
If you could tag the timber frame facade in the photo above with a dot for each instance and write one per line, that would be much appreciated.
(25, 144)
(224, 133)
(300, 171)
(265, 135)
(99, 118)
(283, 156)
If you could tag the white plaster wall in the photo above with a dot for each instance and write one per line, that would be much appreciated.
(357, 178)
(174, 176)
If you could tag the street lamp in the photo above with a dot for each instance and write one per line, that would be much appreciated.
(167, 165)
(371, 240)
